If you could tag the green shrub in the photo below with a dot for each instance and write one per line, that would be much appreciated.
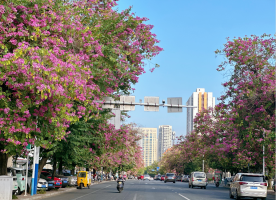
(43, 191)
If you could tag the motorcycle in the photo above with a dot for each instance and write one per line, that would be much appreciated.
(120, 185)
(217, 184)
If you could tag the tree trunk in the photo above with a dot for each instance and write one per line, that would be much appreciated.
(3, 163)
(60, 166)
(54, 167)
(42, 163)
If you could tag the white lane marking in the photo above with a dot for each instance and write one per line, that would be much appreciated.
(153, 188)
(91, 193)
(135, 197)
(184, 197)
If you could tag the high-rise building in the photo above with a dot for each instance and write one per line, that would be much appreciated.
(165, 139)
(202, 100)
(149, 145)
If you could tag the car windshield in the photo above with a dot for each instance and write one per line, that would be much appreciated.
(252, 178)
(170, 174)
(146, 175)
(82, 174)
(199, 175)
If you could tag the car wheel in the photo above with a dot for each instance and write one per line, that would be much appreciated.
(174, 182)
(204, 187)
(230, 195)
(189, 186)
(192, 186)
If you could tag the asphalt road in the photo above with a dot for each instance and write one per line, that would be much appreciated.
(147, 190)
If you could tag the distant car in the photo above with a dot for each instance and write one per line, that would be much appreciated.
(151, 178)
(248, 185)
(185, 178)
(162, 178)
(170, 177)
(158, 177)
(178, 178)
(198, 179)
(72, 180)
(58, 182)
(51, 183)
(141, 177)
(146, 177)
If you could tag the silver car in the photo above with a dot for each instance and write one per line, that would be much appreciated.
(248, 185)
(198, 179)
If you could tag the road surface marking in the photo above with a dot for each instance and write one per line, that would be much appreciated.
(91, 193)
(184, 197)
(135, 197)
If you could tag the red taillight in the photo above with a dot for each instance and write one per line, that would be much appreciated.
(193, 180)
(243, 183)
(166, 177)
(265, 184)
(22, 179)
(206, 179)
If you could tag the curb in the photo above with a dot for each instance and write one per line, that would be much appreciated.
(54, 194)
(46, 195)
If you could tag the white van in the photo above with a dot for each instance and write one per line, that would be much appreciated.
(198, 179)
(12, 172)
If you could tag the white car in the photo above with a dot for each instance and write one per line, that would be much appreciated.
(150, 179)
(42, 183)
(147, 177)
(248, 185)
(198, 179)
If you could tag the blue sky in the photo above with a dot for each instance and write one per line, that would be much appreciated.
(190, 31)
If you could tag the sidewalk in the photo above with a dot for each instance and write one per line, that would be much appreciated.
(51, 192)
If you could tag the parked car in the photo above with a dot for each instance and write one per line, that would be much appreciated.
(12, 172)
(170, 177)
(141, 177)
(21, 179)
(198, 179)
(178, 178)
(248, 185)
(41, 184)
(185, 178)
(58, 182)
(162, 178)
(274, 185)
(72, 180)
(158, 177)
(146, 177)
(51, 183)
(151, 178)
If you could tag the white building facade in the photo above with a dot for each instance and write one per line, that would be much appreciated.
(165, 139)
(202, 100)
(148, 143)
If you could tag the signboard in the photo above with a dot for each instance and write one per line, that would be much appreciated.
(128, 100)
(108, 99)
(157, 168)
(151, 100)
(174, 101)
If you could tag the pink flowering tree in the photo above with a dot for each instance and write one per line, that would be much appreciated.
(233, 134)
(57, 58)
